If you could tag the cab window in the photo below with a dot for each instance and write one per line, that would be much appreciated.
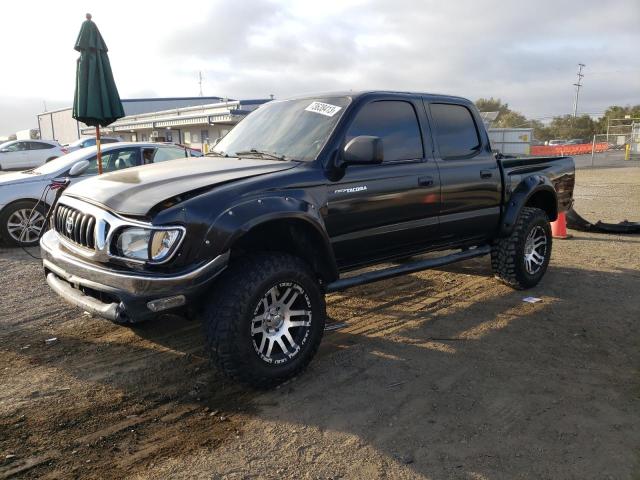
(396, 123)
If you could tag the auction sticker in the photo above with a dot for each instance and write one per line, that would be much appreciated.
(323, 109)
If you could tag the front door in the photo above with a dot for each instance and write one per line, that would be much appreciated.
(15, 156)
(378, 211)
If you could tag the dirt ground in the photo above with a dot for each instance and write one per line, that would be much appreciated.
(442, 374)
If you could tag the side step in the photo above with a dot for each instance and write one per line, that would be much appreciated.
(370, 277)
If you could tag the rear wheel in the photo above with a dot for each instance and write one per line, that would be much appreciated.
(521, 259)
(266, 321)
(21, 223)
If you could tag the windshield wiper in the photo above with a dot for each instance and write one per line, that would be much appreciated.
(260, 153)
(213, 153)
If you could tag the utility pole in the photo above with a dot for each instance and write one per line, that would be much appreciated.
(578, 85)
(200, 82)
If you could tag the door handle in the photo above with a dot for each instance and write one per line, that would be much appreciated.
(425, 181)
(486, 174)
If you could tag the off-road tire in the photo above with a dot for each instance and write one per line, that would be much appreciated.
(6, 214)
(508, 253)
(228, 318)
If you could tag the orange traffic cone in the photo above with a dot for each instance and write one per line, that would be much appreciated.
(559, 227)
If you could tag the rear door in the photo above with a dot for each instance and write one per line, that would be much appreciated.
(40, 152)
(376, 211)
(469, 174)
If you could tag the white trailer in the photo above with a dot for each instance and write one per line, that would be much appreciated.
(511, 141)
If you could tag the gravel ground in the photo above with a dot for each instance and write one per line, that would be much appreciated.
(441, 374)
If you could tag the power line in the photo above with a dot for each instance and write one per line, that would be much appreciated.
(578, 85)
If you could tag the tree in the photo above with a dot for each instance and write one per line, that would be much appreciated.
(507, 118)
(567, 127)
(492, 105)
(616, 112)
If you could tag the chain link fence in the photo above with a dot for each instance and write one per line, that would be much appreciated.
(603, 150)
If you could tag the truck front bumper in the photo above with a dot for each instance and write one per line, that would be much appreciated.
(121, 296)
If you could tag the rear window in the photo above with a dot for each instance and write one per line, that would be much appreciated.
(168, 153)
(455, 130)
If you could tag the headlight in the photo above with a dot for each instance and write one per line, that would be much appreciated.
(146, 244)
(161, 243)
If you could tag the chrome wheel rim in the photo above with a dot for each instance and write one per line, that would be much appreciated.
(535, 250)
(281, 323)
(25, 225)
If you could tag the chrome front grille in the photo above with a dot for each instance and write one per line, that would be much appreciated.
(75, 226)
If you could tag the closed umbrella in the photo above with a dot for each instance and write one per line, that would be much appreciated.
(96, 101)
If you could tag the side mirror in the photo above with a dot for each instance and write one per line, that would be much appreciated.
(363, 150)
(79, 168)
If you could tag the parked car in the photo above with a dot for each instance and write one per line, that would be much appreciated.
(20, 191)
(301, 191)
(20, 154)
(576, 141)
(90, 142)
(555, 143)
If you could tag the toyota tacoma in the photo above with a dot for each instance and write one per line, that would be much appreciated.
(251, 237)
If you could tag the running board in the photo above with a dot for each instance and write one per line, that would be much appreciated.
(370, 277)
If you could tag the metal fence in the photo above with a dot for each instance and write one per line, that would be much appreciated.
(605, 150)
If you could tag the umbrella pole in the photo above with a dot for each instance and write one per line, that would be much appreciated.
(99, 156)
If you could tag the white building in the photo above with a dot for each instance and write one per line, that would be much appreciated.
(191, 121)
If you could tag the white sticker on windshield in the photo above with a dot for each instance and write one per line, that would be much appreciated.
(323, 109)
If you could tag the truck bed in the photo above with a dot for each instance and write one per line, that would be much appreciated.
(559, 170)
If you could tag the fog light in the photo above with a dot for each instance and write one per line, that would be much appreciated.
(166, 303)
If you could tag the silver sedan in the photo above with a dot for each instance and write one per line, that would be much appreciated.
(22, 215)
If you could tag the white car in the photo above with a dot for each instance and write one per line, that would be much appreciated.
(21, 154)
(21, 224)
(90, 142)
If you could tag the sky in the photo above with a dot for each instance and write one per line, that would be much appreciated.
(525, 53)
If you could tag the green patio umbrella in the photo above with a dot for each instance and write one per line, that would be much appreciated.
(96, 101)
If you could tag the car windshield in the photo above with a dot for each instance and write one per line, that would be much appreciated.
(289, 129)
(6, 144)
(61, 163)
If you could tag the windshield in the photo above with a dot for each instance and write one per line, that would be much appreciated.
(6, 144)
(291, 129)
(63, 162)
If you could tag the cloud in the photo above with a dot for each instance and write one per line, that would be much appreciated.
(524, 53)
(527, 56)
(21, 114)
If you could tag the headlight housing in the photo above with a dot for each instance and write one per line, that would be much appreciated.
(147, 244)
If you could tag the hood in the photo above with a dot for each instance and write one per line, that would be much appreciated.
(134, 191)
(18, 177)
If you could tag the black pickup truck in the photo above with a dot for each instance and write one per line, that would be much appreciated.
(254, 235)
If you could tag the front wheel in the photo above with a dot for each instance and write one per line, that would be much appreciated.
(521, 259)
(266, 320)
(21, 223)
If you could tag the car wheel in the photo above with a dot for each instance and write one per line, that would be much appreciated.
(21, 224)
(521, 259)
(266, 321)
